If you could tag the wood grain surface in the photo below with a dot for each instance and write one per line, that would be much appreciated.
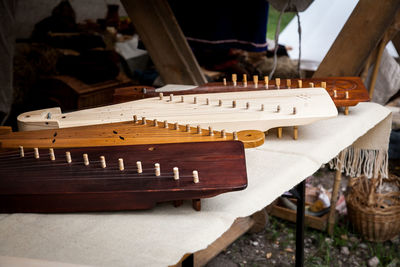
(28, 184)
(121, 133)
(354, 85)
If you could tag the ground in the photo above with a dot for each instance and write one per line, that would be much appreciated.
(275, 245)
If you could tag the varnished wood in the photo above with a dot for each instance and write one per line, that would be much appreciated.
(39, 185)
(5, 129)
(358, 37)
(358, 92)
(158, 29)
(121, 133)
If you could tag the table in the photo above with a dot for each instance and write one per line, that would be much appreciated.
(160, 237)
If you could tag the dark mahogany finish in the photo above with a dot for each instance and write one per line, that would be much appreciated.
(41, 185)
(354, 85)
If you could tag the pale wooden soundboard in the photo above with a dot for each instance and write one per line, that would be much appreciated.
(296, 107)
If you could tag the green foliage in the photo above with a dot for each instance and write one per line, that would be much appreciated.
(273, 16)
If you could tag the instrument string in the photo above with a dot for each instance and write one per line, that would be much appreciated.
(48, 163)
(87, 170)
(131, 177)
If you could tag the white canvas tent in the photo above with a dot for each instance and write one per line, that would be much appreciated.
(320, 25)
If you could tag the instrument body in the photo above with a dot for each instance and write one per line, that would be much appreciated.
(353, 85)
(28, 184)
(122, 133)
(231, 111)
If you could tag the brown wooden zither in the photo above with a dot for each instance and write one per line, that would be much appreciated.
(353, 85)
(121, 133)
(39, 184)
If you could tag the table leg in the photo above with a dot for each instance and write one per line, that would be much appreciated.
(335, 194)
(300, 224)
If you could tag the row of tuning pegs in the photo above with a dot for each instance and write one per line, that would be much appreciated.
(176, 126)
(233, 105)
(266, 83)
(121, 166)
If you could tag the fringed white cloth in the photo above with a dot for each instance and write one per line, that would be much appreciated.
(358, 162)
(368, 155)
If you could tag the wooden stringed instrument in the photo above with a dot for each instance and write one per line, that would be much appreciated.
(118, 177)
(123, 133)
(231, 111)
(344, 91)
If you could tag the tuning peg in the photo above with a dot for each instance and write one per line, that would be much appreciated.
(346, 110)
(144, 120)
(135, 120)
(161, 95)
(21, 151)
(207, 101)
(262, 107)
(36, 152)
(166, 124)
(171, 97)
(210, 131)
(139, 166)
(245, 80)
(224, 81)
(235, 136)
(182, 99)
(198, 129)
(187, 127)
(234, 79)
(311, 85)
(176, 173)
(334, 93)
(295, 132)
(277, 83)
(278, 108)
(194, 100)
(195, 177)
(51, 153)
(255, 81)
(220, 103)
(347, 95)
(234, 104)
(103, 162)
(176, 126)
(248, 105)
(279, 132)
(121, 164)
(266, 82)
(223, 134)
(294, 111)
(157, 169)
(288, 83)
(85, 159)
(300, 83)
(68, 157)
(323, 85)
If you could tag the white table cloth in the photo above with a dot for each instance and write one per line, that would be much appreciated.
(161, 236)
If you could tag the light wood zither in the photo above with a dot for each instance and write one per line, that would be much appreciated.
(118, 177)
(232, 111)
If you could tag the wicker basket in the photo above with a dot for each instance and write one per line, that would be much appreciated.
(374, 214)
